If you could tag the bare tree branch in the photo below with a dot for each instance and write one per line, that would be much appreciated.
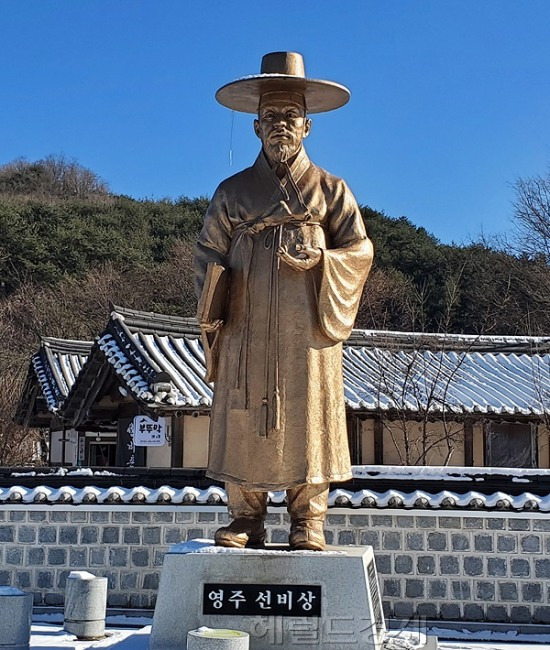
(532, 215)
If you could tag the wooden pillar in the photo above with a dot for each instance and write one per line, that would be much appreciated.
(354, 438)
(177, 442)
(468, 443)
(486, 426)
(379, 441)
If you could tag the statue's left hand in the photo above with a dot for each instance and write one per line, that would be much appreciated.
(211, 326)
(307, 257)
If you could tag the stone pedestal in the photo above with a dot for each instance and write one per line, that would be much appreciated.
(85, 605)
(281, 598)
(15, 619)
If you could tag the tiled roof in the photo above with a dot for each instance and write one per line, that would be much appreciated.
(214, 495)
(159, 358)
(457, 342)
(383, 371)
(56, 366)
(159, 361)
(378, 379)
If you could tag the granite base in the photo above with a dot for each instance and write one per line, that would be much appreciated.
(281, 598)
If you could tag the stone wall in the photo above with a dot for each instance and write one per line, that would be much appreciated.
(440, 564)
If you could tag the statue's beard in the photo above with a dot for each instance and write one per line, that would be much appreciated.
(280, 152)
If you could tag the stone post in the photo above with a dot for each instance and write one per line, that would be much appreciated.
(15, 619)
(206, 638)
(85, 605)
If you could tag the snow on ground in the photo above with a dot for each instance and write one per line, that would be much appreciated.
(459, 645)
(52, 637)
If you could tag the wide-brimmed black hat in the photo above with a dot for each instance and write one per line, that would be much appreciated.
(282, 71)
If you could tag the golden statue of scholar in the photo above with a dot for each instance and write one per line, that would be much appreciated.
(286, 243)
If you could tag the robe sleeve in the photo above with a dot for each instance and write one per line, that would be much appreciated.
(215, 238)
(345, 266)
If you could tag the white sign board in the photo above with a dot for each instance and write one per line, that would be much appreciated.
(148, 433)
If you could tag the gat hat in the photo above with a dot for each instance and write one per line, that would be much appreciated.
(282, 71)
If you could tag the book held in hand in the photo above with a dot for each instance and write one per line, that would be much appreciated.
(211, 314)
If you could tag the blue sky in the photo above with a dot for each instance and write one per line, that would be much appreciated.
(450, 99)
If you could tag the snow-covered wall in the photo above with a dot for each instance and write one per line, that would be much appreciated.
(450, 565)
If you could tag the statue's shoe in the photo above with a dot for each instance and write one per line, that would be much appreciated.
(307, 535)
(241, 532)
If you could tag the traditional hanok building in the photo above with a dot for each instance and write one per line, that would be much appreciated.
(142, 364)
(412, 399)
(446, 399)
(52, 373)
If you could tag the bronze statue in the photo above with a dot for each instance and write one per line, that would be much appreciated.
(292, 239)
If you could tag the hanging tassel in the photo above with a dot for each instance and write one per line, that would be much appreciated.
(263, 419)
(276, 411)
(231, 139)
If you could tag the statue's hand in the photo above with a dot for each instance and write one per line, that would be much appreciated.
(212, 326)
(307, 257)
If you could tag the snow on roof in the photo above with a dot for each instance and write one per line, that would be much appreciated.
(428, 381)
(182, 358)
(214, 495)
(443, 341)
(444, 473)
(383, 371)
(159, 360)
(57, 365)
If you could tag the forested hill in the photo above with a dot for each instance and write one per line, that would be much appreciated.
(68, 247)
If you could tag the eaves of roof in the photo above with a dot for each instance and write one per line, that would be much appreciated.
(436, 341)
(153, 323)
(161, 368)
(52, 372)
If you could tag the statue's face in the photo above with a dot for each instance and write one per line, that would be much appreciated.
(281, 126)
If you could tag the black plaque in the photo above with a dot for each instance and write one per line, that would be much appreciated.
(262, 600)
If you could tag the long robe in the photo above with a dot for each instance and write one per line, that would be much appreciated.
(278, 416)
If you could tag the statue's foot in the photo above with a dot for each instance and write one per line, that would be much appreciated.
(241, 532)
(307, 535)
